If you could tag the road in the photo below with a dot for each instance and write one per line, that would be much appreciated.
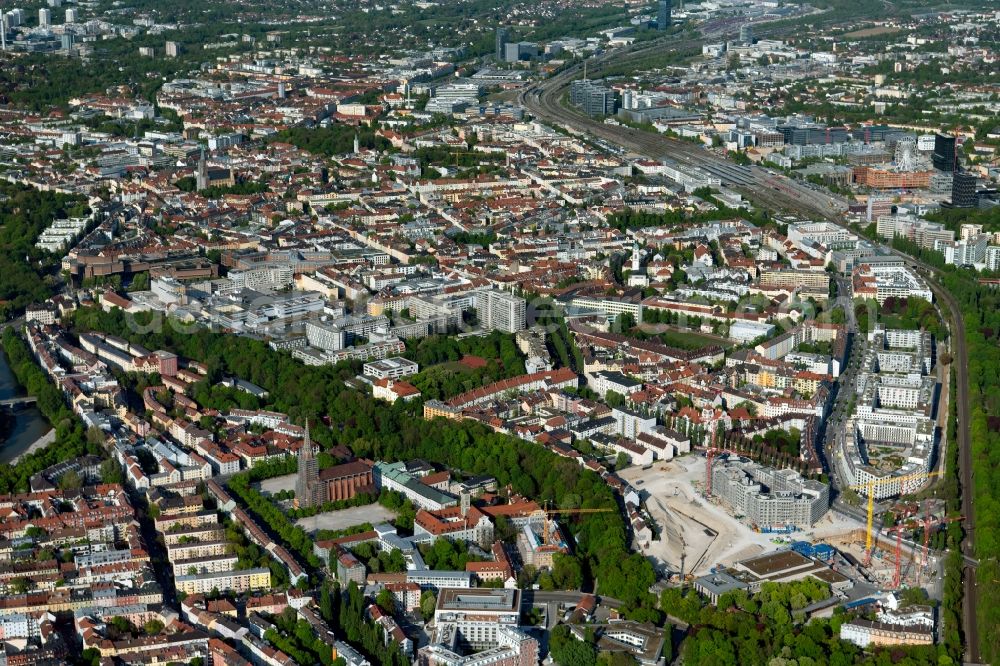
(544, 100)
(831, 449)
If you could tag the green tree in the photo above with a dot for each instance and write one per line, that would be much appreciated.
(111, 472)
(428, 602)
(153, 627)
(140, 282)
(90, 657)
(621, 461)
(386, 601)
(566, 572)
(95, 436)
(70, 481)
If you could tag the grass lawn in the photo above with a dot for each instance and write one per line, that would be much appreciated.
(895, 321)
(689, 340)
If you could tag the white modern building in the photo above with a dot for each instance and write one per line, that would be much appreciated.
(498, 310)
(390, 368)
(478, 615)
(60, 233)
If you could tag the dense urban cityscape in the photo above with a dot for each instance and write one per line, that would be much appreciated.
(495, 333)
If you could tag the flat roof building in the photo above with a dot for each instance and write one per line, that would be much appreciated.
(390, 368)
(478, 615)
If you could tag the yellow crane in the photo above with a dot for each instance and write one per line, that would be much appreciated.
(551, 512)
(870, 486)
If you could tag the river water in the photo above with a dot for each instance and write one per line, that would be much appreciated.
(28, 425)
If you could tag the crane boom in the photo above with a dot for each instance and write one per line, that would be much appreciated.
(870, 486)
(551, 512)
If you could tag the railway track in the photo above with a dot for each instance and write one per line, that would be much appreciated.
(544, 99)
(772, 191)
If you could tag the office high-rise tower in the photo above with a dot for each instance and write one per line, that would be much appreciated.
(502, 36)
(963, 190)
(663, 15)
(944, 157)
(44, 17)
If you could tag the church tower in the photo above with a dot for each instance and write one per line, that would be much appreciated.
(308, 476)
(201, 176)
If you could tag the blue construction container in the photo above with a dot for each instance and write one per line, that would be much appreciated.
(803, 548)
(857, 603)
(820, 551)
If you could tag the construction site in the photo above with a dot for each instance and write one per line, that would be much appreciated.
(900, 555)
(696, 535)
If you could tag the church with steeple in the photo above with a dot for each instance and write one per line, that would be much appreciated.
(307, 486)
(637, 277)
(206, 177)
(315, 487)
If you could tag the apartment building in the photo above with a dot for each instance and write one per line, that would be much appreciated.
(195, 549)
(603, 381)
(514, 648)
(477, 615)
(203, 565)
(267, 276)
(864, 633)
(769, 497)
(814, 281)
(631, 424)
(500, 311)
(244, 580)
(883, 279)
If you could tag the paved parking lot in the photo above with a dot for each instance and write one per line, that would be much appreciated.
(344, 518)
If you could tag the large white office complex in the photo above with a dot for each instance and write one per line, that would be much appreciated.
(892, 433)
(882, 278)
(769, 497)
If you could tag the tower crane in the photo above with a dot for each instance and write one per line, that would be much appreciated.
(928, 522)
(870, 487)
(924, 523)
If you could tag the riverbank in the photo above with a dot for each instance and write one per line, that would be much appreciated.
(24, 426)
(37, 445)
